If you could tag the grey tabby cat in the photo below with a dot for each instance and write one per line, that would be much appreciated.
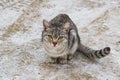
(61, 40)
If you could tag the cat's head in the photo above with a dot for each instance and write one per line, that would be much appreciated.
(55, 35)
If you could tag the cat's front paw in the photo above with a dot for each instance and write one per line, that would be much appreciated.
(69, 56)
(59, 60)
(63, 61)
(53, 60)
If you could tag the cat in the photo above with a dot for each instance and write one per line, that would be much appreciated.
(61, 40)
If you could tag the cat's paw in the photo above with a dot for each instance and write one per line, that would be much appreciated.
(53, 60)
(63, 61)
(58, 60)
(69, 56)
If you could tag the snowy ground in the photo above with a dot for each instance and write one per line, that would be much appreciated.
(21, 53)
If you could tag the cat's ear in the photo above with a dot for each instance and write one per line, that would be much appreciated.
(67, 26)
(46, 24)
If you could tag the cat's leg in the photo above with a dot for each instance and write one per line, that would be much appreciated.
(70, 56)
(63, 59)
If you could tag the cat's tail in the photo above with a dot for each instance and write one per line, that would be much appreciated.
(93, 54)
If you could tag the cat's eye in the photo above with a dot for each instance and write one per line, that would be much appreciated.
(50, 36)
(60, 37)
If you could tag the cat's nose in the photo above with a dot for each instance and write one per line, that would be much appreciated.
(54, 43)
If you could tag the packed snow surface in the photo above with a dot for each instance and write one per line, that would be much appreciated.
(21, 53)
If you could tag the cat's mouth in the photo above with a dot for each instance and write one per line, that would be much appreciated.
(55, 51)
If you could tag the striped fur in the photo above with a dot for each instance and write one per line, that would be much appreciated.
(92, 54)
(63, 26)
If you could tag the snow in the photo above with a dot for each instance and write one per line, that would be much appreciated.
(21, 53)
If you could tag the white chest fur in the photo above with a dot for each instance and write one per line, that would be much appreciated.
(55, 51)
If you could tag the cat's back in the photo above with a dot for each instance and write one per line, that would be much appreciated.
(60, 19)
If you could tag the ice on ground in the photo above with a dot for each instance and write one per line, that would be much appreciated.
(22, 56)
